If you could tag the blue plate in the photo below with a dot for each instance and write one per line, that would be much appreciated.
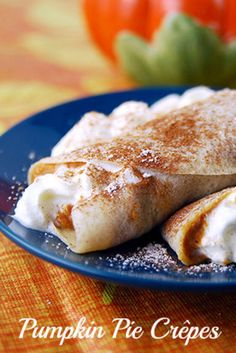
(33, 139)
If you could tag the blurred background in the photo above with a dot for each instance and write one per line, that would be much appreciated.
(47, 57)
(56, 50)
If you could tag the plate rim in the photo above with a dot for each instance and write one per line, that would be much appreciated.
(34, 115)
(116, 276)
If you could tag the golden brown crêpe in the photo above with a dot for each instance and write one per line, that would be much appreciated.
(199, 139)
(186, 228)
(186, 155)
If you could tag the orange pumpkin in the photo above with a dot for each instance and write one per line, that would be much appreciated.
(105, 18)
(229, 20)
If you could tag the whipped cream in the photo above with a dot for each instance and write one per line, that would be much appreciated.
(42, 199)
(219, 240)
(176, 101)
(96, 127)
(50, 193)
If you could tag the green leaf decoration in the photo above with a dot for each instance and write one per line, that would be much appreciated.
(182, 52)
(108, 293)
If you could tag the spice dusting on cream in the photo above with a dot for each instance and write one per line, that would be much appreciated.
(49, 202)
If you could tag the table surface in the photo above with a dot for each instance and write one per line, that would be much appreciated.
(46, 57)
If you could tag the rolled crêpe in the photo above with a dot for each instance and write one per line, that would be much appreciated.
(103, 195)
(95, 127)
(205, 229)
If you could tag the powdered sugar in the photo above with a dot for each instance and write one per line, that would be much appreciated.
(157, 257)
(15, 191)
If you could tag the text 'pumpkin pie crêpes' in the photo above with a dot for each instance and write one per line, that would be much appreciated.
(100, 196)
